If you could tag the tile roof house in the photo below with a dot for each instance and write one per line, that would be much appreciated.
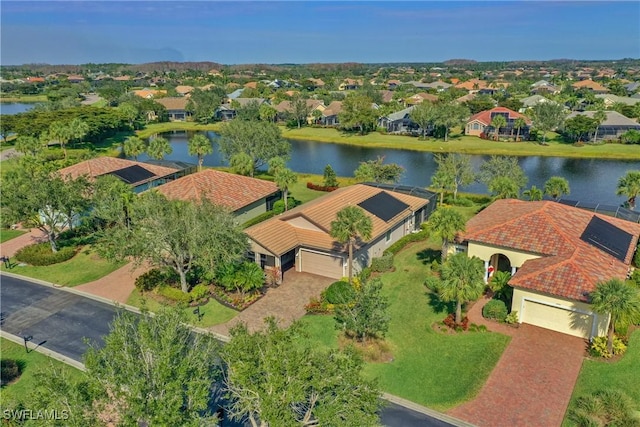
(481, 122)
(556, 254)
(419, 98)
(284, 108)
(176, 107)
(330, 114)
(473, 85)
(350, 84)
(149, 93)
(612, 127)
(139, 175)
(591, 85)
(300, 237)
(246, 197)
(399, 122)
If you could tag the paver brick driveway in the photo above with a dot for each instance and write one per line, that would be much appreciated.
(532, 383)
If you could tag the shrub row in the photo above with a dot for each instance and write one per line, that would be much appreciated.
(599, 347)
(312, 186)
(409, 238)
(383, 263)
(262, 217)
(174, 294)
(41, 254)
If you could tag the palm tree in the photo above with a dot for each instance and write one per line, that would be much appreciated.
(351, 223)
(618, 299)
(60, 132)
(446, 223)
(519, 123)
(498, 122)
(78, 129)
(158, 148)
(504, 187)
(134, 146)
(462, 281)
(629, 186)
(556, 186)
(200, 146)
(599, 116)
(285, 178)
(534, 193)
(241, 163)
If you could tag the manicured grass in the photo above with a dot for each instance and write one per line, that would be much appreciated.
(154, 128)
(214, 312)
(6, 234)
(32, 363)
(24, 98)
(466, 144)
(430, 368)
(622, 375)
(85, 267)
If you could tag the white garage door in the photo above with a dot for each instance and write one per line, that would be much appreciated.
(557, 319)
(321, 264)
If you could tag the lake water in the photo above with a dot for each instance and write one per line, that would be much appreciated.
(590, 180)
(15, 107)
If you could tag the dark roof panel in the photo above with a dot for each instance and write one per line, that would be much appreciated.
(133, 174)
(383, 205)
(607, 237)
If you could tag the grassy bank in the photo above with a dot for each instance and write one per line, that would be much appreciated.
(467, 144)
(155, 128)
(24, 98)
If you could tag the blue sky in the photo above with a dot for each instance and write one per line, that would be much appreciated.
(63, 32)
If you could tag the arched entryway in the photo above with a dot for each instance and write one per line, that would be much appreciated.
(498, 262)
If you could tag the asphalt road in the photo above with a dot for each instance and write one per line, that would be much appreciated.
(62, 321)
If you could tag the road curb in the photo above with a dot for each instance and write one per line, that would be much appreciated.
(424, 410)
(43, 350)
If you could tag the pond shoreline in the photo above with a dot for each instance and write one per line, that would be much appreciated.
(457, 144)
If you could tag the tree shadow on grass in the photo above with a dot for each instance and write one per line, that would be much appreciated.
(438, 305)
(428, 255)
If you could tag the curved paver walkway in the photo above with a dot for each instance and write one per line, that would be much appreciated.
(533, 381)
(116, 286)
(10, 247)
(286, 302)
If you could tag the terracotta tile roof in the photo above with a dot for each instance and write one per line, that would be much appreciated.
(568, 267)
(485, 116)
(333, 109)
(308, 225)
(222, 188)
(184, 89)
(285, 106)
(473, 84)
(590, 84)
(173, 103)
(103, 165)
(149, 93)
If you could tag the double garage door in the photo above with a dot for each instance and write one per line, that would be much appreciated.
(320, 264)
(558, 319)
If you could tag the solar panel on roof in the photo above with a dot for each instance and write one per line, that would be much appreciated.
(383, 205)
(607, 237)
(133, 174)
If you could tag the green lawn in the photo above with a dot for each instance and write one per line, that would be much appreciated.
(32, 363)
(155, 128)
(467, 144)
(429, 368)
(6, 234)
(85, 267)
(623, 375)
(24, 98)
(214, 312)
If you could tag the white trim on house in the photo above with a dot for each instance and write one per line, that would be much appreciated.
(594, 316)
(299, 265)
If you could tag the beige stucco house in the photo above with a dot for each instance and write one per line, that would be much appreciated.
(246, 197)
(300, 237)
(557, 254)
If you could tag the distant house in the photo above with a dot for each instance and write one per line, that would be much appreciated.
(225, 112)
(387, 96)
(176, 108)
(543, 86)
(149, 93)
(399, 122)
(300, 237)
(532, 101)
(350, 84)
(139, 175)
(473, 85)
(610, 100)
(184, 90)
(632, 87)
(246, 197)
(285, 108)
(235, 94)
(556, 254)
(438, 85)
(590, 85)
(419, 98)
(330, 114)
(614, 125)
(315, 83)
(481, 123)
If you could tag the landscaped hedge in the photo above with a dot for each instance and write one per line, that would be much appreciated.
(262, 217)
(173, 294)
(9, 371)
(409, 238)
(495, 309)
(312, 186)
(41, 254)
(152, 279)
(383, 263)
(339, 293)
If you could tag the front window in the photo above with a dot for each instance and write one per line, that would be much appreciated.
(387, 237)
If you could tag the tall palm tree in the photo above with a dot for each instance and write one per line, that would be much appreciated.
(534, 193)
(498, 122)
(285, 178)
(618, 299)
(158, 148)
(134, 146)
(78, 129)
(629, 186)
(519, 123)
(556, 186)
(351, 223)
(599, 116)
(59, 131)
(446, 223)
(462, 281)
(200, 146)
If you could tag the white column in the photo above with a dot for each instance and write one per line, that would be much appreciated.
(486, 272)
(513, 270)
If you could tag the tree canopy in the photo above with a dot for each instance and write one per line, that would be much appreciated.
(377, 171)
(358, 113)
(462, 280)
(547, 116)
(503, 166)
